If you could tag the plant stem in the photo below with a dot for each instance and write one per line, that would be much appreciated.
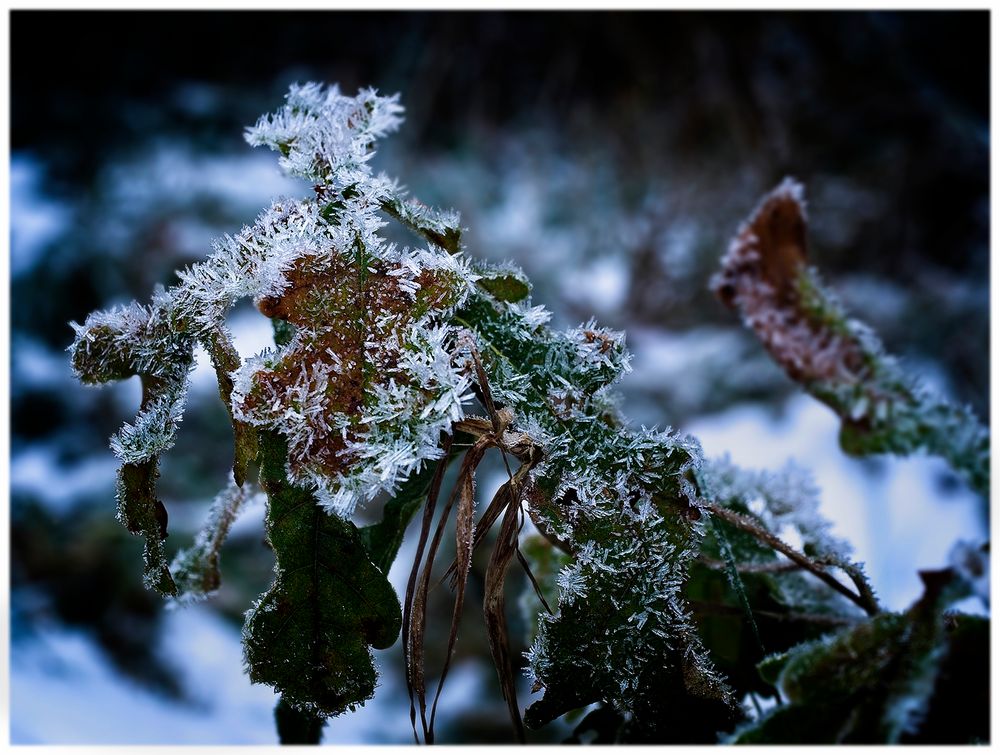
(296, 727)
(747, 525)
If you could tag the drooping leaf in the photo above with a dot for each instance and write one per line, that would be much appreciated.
(413, 629)
(226, 360)
(310, 635)
(144, 514)
(116, 345)
(837, 359)
(414, 634)
(464, 493)
(495, 612)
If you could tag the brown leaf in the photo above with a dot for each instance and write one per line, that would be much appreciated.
(464, 532)
(412, 625)
(330, 300)
(418, 615)
(493, 609)
(762, 276)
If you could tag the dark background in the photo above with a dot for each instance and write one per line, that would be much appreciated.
(567, 139)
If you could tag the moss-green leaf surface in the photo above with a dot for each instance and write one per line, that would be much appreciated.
(310, 635)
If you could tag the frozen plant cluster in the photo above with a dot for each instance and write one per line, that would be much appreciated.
(619, 500)
(378, 353)
(371, 371)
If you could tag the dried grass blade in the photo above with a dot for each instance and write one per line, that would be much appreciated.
(465, 529)
(425, 527)
(486, 521)
(484, 385)
(531, 577)
(419, 615)
(493, 609)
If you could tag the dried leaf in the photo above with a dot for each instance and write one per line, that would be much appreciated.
(418, 614)
(494, 611)
(464, 532)
(351, 312)
(837, 359)
(413, 604)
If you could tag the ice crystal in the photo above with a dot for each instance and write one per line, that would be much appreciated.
(326, 136)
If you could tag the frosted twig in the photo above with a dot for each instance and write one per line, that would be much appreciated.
(747, 525)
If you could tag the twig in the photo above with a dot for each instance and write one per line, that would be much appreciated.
(747, 525)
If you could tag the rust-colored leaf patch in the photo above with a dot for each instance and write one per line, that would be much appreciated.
(352, 355)
(764, 275)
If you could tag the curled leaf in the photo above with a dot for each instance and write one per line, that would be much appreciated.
(838, 360)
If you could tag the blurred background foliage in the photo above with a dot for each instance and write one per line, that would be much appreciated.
(611, 154)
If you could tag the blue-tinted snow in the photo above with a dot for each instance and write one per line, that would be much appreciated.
(64, 691)
(36, 218)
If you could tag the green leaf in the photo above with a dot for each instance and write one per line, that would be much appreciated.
(310, 635)
(673, 694)
(438, 227)
(871, 684)
(506, 287)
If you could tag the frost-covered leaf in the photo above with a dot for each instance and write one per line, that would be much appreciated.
(440, 228)
(310, 635)
(507, 284)
(144, 514)
(367, 385)
(119, 344)
(868, 684)
(837, 359)
(323, 135)
(619, 502)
